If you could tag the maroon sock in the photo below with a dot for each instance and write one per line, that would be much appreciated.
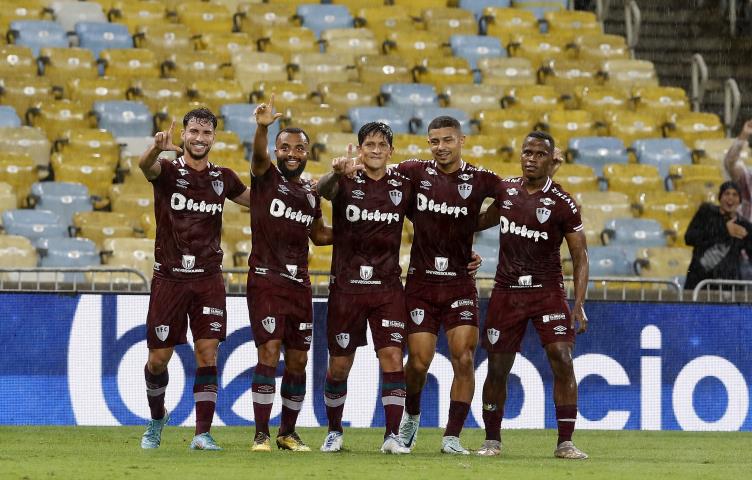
(565, 418)
(335, 394)
(293, 391)
(492, 416)
(155, 392)
(263, 388)
(457, 414)
(393, 399)
(412, 403)
(205, 396)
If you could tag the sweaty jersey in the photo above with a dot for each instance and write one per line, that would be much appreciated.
(444, 216)
(282, 216)
(367, 217)
(188, 209)
(532, 227)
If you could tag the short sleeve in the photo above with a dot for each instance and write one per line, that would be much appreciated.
(166, 173)
(236, 186)
(572, 220)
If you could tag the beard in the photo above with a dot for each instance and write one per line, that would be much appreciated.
(286, 172)
(197, 156)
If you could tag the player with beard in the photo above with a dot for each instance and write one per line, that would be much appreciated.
(189, 194)
(536, 214)
(285, 213)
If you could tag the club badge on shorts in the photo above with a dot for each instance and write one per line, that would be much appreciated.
(343, 339)
(493, 335)
(269, 324)
(366, 272)
(417, 315)
(162, 332)
(441, 263)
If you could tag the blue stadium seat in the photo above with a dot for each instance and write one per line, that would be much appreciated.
(97, 36)
(9, 117)
(34, 224)
(238, 118)
(477, 6)
(611, 261)
(409, 95)
(488, 237)
(37, 34)
(318, 17)
(662, 152)
(539, 7)
(474, 47)
(490, 256)
(422, 116)
(597, 151)
(62, 198)
(394, 117)
(123, 118)
(68, 252)
(635, 232)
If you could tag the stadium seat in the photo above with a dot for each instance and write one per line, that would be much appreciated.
(23, 10)
(345, 95)
(666, 207)
(129, 63)
(86, 91)
(599, 48)
(27, 142)
(534, 99)
(408, 146)
(662, 152)
(478, 6)
(628, 74)
(8, 200)
(712, 152)
(694, 126)
(484, 150)
(350, 43)
(394, 117)
(407, 96)
(440, 72)
(540, 8)
(17, 169)
(610, 261)
(156, 93)
(192, 65)
(597, 208)
(59, 116)
(506, 123)
(507, 23)
(162, 120)
(329, 145)
(632, 179)
(215, 92)
(61, 198)
(507, 71)
(287, 41)
(253, 67)
(472, 98)
(422, 116)
(312, 69)
(136, 253)
(572, 22)
(205, 17)
(236, 228)
(24, 92)
(637, 232)
(37, 34)
(69, 13)
(226, 144)
(568, 75)
(132, 200)
(238, 118)
(670, 263)
(566, 124)
(447, 22)
(699, 188)
(475, 47)
(631, 126)
(135, 14)
(124, 118)
(661, 101)
(384, 19)
(539, 48)
(263, 17)
(315, 119)
(93, 143)
(60, 65)
(34, 224)
(9, 117)
(597, 152)
(164, 39)
(225, 45)
(66, 253)
(96, 174)
(98, 36)
(415, 45)
(378, 69)
(17, 61)
(286, 94)
(99, 226)
(318, 17)
(16, 252)
(601, 101)
(575, 178)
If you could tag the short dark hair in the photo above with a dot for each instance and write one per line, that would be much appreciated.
(293, 130)
(371, 128)
(542, 136)
(444, 121)
(201, 115)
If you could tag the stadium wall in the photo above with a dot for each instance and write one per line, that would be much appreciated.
(78, 360)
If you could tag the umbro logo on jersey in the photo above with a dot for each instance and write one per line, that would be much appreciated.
(425, 184)
(417, 315)
(395, 196)
(547, 202)
(507, 205)
(465, 190)
(465, 177)
(162, 331)
(343, 339)
(431, 171)
(493, 335)
(394, 183)
(269, 324)
(182, 183)
(396, 337)
(215, 174)
(282, 188)
(358, 194)
(512, 191)
(215, 326)
(466, 315)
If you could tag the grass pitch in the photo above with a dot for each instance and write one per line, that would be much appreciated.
(28, 453)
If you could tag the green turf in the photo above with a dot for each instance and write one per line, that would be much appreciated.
(114, 453)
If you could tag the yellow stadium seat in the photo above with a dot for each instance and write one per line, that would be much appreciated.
(478, 148)
(164, 39)
(441, 72)
(573, 22)
(342, 96)
(378, 69)
(601, 101)
(385, 19)
(287, 41)
(472, 97)
(99, 226)
(631, 126)
(148, 225)
(504, 71)
(136, 253)
(615, 204)
(239, 165)
(174, 112)
(415, 45)
(286, 94)
(661, 101)
(315, 119)
(89, 143)
(329, 145)
(632, 179)
(59, 116)
(575, 178)
(205, 17)
(216, 92)
(17, 61)
(565, 124)
(8, 198)
(415, 7)
(24, 92)
(506, 122)
(350, 42)
(666, 207)
(135, 14)
(694, 126)
(446, 22)
(712, 152)
(315, 68)
(316, 169)
(356, 5)
(14, 10)
(226, 144)
(225, 45)
(699, 189)
(236, 228)
(16, 252)
(130, 63)
(97, 175)
(599, 47)
(567, 75)
(539, 48)
(157, 92)
(18, 170)
(257, 19)
(694, 171)
(199, 65)
(28, 141)
(253, 67)
(86, 91)
(534, 99)
(628, 74)
(504, 169)
(507, 23)
(410, 146)
(132, 200)
(664, 262)
(63, 64)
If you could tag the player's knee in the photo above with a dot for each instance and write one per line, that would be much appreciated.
(418, 364)
(157, 365)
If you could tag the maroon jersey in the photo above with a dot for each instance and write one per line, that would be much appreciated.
(282, 216)
(367, 217)
(188, 209)
(444, 216)
(532, 227)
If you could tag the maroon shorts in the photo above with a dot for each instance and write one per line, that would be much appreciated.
(348, 314)
(430, 306)
(173, 304)
(280, 313)
(509, 312)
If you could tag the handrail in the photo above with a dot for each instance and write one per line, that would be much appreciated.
(601, 9)
(732, 102)
(621, 283)
(732, 17)
(722, 294)
(699, 81)
(47, 279)
(632, 24)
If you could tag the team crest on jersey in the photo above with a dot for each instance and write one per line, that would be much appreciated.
(493, 335)
(417, 315)
(542, 213)
(218, 186)
(366, 272)
(188, 262)
(269, 324)
(311, 200)
(162, 332)
(441, 263)
(547, 202)
(465, 177)
(512, 191)
(395, 196)
(343, 339)
(465, 190)
(292, 269)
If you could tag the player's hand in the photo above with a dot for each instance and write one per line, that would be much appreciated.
(163, 141)
(346, 166)
(558, 160)
(265, 114)
(474, 265)
(736, 230)
(578, 317)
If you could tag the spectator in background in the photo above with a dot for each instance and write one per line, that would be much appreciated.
(718, 234)
(738, 171)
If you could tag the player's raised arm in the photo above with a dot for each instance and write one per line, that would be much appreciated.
(578, 250)
(328, 185)
(265, 116)
(733, 164)
(321, 233)
(162, 142)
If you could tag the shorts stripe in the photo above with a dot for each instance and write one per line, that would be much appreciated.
(205, 397)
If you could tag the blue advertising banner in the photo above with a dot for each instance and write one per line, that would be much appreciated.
(78, 360)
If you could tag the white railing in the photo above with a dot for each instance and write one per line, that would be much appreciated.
(699, 81)
(714, 290)
(732, 102)
(73, 279)
(632, 24)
